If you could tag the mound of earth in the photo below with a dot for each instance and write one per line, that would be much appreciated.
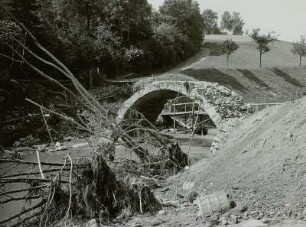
(261, 165)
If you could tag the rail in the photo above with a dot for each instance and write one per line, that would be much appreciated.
(256, 107)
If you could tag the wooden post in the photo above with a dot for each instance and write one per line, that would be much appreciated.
(174, 129)
(192, 115)
(185, 115)
(174, 126)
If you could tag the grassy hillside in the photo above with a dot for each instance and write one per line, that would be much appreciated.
(279, 80)
(247, 56)
(257, 85)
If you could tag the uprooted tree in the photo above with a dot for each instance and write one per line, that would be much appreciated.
(84, 188)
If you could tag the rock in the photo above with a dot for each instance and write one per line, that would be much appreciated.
(260, 216)
(170, 204)
(92, 223)
(59, 147)
(245, 215)
(16, 144)
(180, 195)
(227, 214)
(254, 213)
(213, 220)
(223, 221)
(243, 209)
(187, 186)
(234, 219)
(136, 225)
(158, 222)
(69, 138)
(22, 139)
(161, 212)
(251, 223)
(165, 189)
(192, 196)
(78, 145)
(266, 221)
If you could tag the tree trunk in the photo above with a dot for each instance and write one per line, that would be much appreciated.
(300, 60)
(227, 60)
(88, 17)
(90, 78)
(260, 56)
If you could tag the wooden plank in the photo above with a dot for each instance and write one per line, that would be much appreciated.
(183, 113)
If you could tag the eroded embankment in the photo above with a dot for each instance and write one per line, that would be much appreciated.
(261, 164)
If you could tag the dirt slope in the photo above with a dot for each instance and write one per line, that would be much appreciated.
(261, 164)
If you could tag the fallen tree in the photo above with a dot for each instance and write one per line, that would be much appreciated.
(78, 191)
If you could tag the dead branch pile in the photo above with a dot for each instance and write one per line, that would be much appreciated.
(167, 151)
(76, 192)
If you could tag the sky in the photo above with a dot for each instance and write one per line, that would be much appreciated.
(285, 17)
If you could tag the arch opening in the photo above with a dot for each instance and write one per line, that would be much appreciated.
(188, 122)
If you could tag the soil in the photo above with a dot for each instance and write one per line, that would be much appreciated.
(261, 165)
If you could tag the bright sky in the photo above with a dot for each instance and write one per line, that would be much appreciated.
(285, 17)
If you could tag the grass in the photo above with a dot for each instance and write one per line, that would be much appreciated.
(215, 75)
(251, 76)
(214, 48)
(287, 77)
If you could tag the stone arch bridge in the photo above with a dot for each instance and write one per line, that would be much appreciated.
(150, 96)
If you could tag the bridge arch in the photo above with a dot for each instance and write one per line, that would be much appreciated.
(218, 102)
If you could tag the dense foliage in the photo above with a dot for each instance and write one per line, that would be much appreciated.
(113, 37)
(210, 19)
(232, 23)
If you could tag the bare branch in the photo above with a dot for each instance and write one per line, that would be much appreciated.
(20, 198)
(2, 160)
(23, 190)
(25, 180)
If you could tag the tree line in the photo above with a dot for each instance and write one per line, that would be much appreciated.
(117, 37)
(112, 37)
(231, 23)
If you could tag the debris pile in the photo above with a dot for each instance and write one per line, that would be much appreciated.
(260, 164)
(226, 101)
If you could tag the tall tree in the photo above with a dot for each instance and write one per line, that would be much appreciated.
(263, 42)
(233, 23)
(226, 21)
(210, 19)
(299, 48)
(238, 24)
(228, 47)
(188, 19)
